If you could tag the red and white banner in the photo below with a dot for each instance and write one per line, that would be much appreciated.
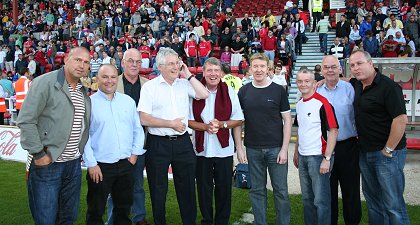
(10, 148)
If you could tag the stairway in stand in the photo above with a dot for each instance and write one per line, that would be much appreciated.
(310, 57)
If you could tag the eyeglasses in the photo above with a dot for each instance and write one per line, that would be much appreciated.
(333, 67)
(131, 61)
(172, 64)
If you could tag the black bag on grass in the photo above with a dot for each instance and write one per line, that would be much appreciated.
(242, 177)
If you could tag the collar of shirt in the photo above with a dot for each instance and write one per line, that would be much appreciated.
(105, 96)
(162, 80)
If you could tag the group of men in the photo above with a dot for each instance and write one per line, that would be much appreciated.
(61, 125)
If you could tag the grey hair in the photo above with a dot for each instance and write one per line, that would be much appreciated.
(306, 71)
(212, 61)
(163, 53)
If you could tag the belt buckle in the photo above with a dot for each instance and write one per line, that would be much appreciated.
(172, 138)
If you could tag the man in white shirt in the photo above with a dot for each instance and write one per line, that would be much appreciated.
(32, 65)
(212, 120)
(164, 110)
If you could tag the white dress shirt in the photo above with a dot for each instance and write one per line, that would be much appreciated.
(164, 101)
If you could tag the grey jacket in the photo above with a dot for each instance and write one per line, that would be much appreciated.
(46, 117)
(120, 85)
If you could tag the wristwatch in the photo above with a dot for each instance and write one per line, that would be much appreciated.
(327, 158)
(388, 150)
(225, 124)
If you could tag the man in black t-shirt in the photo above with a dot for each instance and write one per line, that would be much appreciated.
(381, 119)
(268, 125)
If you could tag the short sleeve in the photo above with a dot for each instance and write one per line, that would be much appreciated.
(395, 104)
(284, 101)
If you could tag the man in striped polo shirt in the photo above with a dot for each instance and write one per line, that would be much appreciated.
(317, 136)
(54, 124)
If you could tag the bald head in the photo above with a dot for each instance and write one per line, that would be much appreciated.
(131, 63)
(331, 70)
(107, 79)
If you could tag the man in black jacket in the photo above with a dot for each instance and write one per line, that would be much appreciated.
(343, 27)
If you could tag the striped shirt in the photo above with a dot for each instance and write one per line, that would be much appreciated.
(71, 151)
(95, 64)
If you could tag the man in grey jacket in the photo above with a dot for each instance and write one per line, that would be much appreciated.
(54, 124)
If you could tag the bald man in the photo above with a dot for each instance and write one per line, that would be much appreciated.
(54, 124)
(130, 83)
(111, 158)
(345, 169)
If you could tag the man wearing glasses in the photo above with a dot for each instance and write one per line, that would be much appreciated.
(130, 83)
(164, 110)
(345, 169)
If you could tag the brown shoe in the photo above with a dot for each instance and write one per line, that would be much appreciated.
(143, 222)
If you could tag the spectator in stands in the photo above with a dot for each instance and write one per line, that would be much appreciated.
(400, 39)
(106, 59)
(279, 76)
(380, 128)
(243, 64)
(237, 49)
(393, 29)
(190, 49)
(371, 44)
(406, 52)
(246, 23)
(262, 133)
(411, 44)
(204, 50)
(3, 106)
(316, 13)
(268, 19)
(394, 8)
(322, 28)
(212, 124)
(337, 50)
(388, 23)
(284, 49)
(351, 10)
(317, 73)
(248, 78)
(95, 63)
(49, 106)
(176, 148)
(226, 56)
(355, 35)
(17, 52)
(32, 66)
(390, 47)
(342, 29)
(7, 84)
(412, 27)
(365, 26)
(300, 27)
(314, 150)
(225, 38)
(269, 45)
(378, 28)
(10, 55)
(20, 63)
(380, 16)
(361, 12)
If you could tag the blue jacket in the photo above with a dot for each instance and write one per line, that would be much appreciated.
(371, 45)
(365, 26)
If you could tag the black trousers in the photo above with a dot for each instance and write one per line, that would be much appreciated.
(214, 174)
(316, 18)
(117, 180)
(346, 172)
(179, 153)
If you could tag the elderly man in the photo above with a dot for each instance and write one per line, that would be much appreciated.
(268, 126)
(383, 149)
(111, 158)
(54, 124)
(317, 136)
(212, 120)
(164, 110)
(345, 170)
(130, 83)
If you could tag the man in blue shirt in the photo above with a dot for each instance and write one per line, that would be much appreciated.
(346, 161)
(7, 84)
(116, 139)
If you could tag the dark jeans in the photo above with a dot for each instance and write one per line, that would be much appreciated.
(138, 209)
(298, 43)
(346, 173)
(54, 192)
(383, 186)
(214, 174)
(316, 18)
(191, 61)
(117, 180)
(179, 153)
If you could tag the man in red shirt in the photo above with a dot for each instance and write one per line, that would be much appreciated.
(190, 48)
(269, 44)
(204, 49)
(390, 47)
(27, 44)
(145, 54)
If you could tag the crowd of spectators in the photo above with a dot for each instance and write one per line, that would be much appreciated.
(107, 28)
(382, 30)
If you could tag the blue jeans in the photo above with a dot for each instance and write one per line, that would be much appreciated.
(202, 60)
(323, 38)
(315, 187)
(259, 160)
(383, 187)
(118, 31)
(138, 209)
(54, 192)
(270, 55)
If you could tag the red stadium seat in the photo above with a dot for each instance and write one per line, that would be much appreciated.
(48, 68)
(193, 70)
(234, 69)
